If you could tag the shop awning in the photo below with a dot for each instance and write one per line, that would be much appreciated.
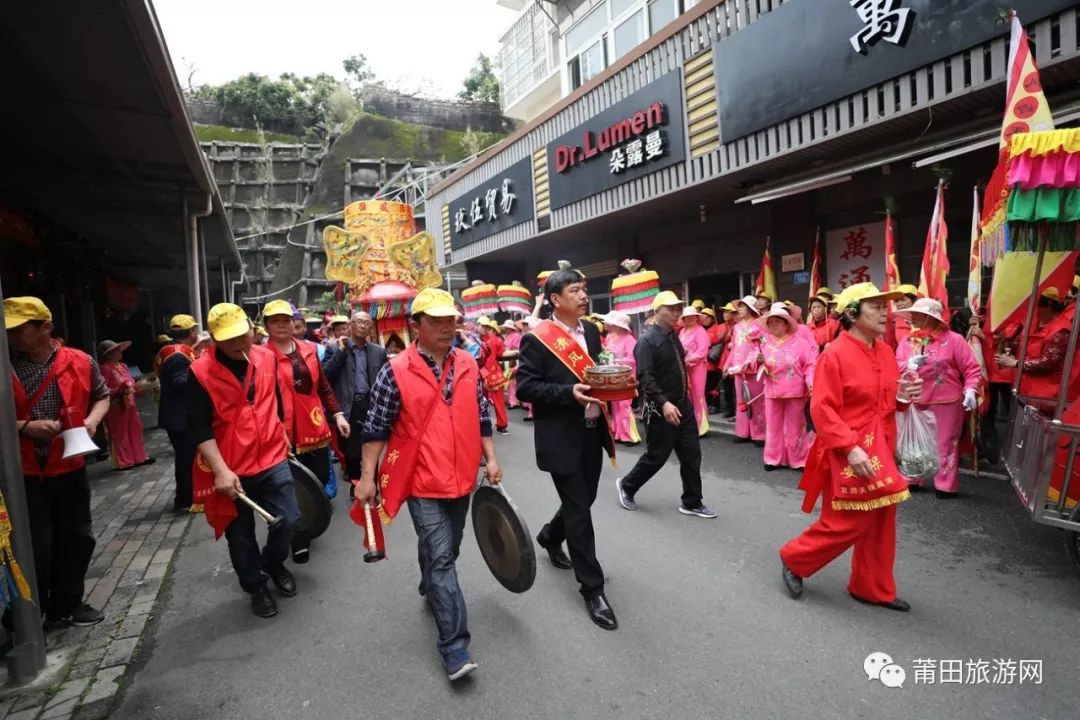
(98, 137)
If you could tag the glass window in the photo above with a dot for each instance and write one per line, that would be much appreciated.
(629, 34)
(584, 31)
(661, 12)
(592, 61)
(618, 7)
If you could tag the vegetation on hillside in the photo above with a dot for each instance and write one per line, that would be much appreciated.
(219, 133)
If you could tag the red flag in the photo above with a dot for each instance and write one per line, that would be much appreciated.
(766, 279)
(220, 509)
(935, 263)
(815, 269)
(892, 270)
(374, 541)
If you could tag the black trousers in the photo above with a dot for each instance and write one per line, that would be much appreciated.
(573, 520)
(59, 511)
(273, 490)
(712, 389)
(727, 387)
(990, 438)
(661, 437)
(184, 457)
(354, 445)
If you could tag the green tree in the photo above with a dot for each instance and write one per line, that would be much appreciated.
(480, 84)
(357, 72)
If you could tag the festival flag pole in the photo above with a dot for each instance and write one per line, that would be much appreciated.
(935, 262)
(766, 279)
(815, 270)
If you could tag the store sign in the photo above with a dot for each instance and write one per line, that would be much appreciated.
(503, 202)
(855, 255)
(792, 263)
(637, 135)
(808, 53)
(801, 278)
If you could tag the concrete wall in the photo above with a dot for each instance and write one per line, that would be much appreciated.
(486, 117)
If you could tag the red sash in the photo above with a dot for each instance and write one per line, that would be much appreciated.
(563, 346)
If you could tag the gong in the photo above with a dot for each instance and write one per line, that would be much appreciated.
(315, 507)
(503, 538)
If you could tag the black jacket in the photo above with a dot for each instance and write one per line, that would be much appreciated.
(172, 405)
(340, 369)
(661, 367)
(558, 419)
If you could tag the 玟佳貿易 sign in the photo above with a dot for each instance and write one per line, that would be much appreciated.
(500, 203)
(638, 135)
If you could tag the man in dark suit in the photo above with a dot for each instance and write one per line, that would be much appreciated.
(571, 432)
(171, 364)
(351, 367)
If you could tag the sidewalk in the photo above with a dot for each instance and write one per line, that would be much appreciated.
(137, 534)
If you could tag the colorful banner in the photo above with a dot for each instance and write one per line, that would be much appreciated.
(766, 279)
(855, 255)
(935, 262)
(974, 291)
(892, 270)
(1013, 276)
(815, 267)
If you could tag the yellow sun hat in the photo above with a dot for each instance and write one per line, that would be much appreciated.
(860, 292)
(227, 321)
(21, 310)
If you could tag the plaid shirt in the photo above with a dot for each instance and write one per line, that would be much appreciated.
(386, 400)
(31, 375)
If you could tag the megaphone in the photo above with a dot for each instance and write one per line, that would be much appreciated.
(77, 440)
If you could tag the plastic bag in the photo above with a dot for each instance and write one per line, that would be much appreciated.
(916, 444)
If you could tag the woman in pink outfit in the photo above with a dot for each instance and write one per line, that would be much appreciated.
(790, 360)
(122, 421)
(951, 379)
(695, 341)
(620, 342)
(511, 343)
(742, 364)
(802, 330)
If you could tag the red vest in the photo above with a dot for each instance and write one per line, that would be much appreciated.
(170, 350)
(825, 331)
(73, 379)
(1046, 385)
(249, 435)
(434, 449)
(305, 420)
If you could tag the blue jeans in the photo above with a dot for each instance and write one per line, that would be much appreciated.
(439, 525)
(273, 491)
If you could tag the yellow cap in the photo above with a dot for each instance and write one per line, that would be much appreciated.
(763, 294)
(1051, 293)
(277, 307)
(826, 292)
(710, 312)
(163, 339)
(434, 302)
(227, 321)
(21, 310)
(338, 319)
(665, 299)
(181, 322)
(1076, 281)
(698, 304)
(788, 303)
(730, 307)
(908, 290)
(857, 293)
(261, 331)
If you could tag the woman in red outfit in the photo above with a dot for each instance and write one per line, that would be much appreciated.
(823, 326)
(856, 389)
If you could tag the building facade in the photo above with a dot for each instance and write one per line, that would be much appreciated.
(747, 121)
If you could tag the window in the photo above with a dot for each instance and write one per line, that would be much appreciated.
(588, 64)
(629, 34)
(584, 30)
(618, 7)
(661, 12)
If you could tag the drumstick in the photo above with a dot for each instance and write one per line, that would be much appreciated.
(374, 553)
(271, 522)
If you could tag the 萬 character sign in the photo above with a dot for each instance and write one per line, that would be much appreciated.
(855, 255)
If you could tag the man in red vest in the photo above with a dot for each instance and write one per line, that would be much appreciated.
(171, 364)
(235, 417)
(492, 370)
(46, 379)
(429, 412)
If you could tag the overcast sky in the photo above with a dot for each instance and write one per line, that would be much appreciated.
(428, 45)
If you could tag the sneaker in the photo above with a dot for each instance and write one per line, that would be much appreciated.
(459, 664)
(625, 499)
(85, 616)
(700, 511)
(503, 431)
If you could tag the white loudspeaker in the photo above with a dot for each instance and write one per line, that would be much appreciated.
(77, 441)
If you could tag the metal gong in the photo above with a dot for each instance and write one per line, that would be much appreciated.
(315, 507)
(503, 538)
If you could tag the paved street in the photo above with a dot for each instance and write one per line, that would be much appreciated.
(706, 629)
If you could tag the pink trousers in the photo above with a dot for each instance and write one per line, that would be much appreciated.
(697, 378)
(786, 440)
(126, 436)
(950, 423)
(746, 426)
(622, 417)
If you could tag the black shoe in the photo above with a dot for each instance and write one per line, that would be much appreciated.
(526, 419)
(502, 431)
(897, 604)
(770, 468)
(739, 440)
(283, 581)
(301, 555)
(262, 604)
(600, 612)
(792, 582)
(912, 487)
(942, 495)
(760, 443)
(85, 616)
(148, 461)
(555, 552)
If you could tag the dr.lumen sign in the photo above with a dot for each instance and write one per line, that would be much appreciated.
(502, 202)
(633, 137)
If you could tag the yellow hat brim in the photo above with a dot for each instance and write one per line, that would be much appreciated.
(13, 321)
(231, 331)
(440, 311)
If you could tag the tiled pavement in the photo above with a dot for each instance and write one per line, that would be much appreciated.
(137, 533)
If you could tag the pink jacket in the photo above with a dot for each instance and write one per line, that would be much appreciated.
(512, 341)
(807, 336)
(695, 342)
(951, 367)
(789, 366)
(744, 349)
(622, 347)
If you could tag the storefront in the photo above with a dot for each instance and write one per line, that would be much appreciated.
(747, 121)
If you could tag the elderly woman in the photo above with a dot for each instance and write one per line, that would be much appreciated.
(695, 341)
(952, 378)
(789, 376)
(856, 389)
(821, 325)
(620, 342)
(122, 421)
(742, 364)
(1048, 343)
(901, 326)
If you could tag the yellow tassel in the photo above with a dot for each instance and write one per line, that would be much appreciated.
(7, 556)
(384, 517)
(874, 504)
(196, 508)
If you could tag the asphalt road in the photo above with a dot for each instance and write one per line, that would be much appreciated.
(706, 630)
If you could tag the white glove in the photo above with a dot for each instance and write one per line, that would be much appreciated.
(970, 400)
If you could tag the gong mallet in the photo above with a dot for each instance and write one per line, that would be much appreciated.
(272, 522)
(375, 551)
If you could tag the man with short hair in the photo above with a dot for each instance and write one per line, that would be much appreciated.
(429, 412)
(571, 431)
(668, 412)
(172, 364)
(351, 367)
(48, 379)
